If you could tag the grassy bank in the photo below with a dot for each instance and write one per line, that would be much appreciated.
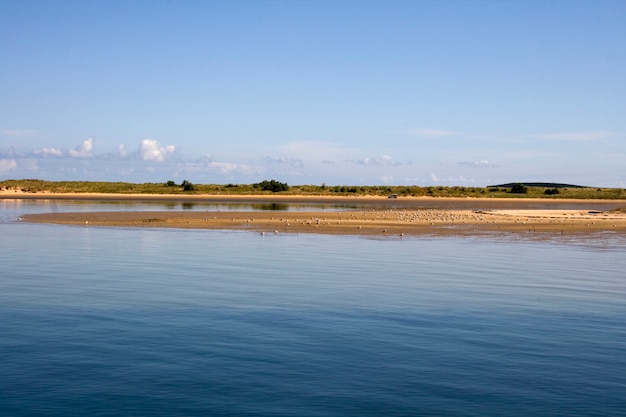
(186, 188)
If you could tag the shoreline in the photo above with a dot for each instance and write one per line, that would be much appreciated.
(365, 215)
(357, 222)
(312, 198)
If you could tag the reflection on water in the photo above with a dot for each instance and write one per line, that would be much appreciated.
(271, 207)
(11, 209)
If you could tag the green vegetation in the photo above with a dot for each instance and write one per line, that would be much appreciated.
(547, 190)
(519, 189)
(187, 186)
(273, 186)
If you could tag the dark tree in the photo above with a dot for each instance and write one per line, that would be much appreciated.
(272, 185)
(187, 186)
(519, 189)
(552, 191)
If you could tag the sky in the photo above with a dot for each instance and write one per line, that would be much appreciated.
(453, 93)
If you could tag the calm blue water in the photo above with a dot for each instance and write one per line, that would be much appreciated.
(104, 321)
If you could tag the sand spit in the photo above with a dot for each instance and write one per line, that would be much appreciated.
(393, 222)
(363, 215)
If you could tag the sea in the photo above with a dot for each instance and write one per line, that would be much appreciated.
(165, 322)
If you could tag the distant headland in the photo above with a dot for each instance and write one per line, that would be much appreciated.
(539, 184)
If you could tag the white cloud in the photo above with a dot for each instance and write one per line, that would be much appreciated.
(7, 165)
(589, 136)
(206, 164)
(292, 162)
(452, 180)
(384, 160)
(432, 133)
(120, 151)
(151, 150)
(84, 150)
(478, 164)
(45, 152)
(224, 167)
(230, 168)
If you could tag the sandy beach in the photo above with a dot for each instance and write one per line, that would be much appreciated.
(365, 216)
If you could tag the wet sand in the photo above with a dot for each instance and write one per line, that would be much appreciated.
(366, 216)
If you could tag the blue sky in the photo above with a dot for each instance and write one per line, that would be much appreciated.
(309, 92)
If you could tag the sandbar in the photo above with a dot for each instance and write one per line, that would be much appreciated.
(368, 216)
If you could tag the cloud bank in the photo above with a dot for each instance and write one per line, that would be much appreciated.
(151, 150)
(478, 164)
(384, 160)
(46, 152)
(302, 162)
(84, 150)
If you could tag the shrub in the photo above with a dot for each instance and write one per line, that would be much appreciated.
(552, 191)
(187, 186)
(272, 185)
(519, 189)
(170, 183)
